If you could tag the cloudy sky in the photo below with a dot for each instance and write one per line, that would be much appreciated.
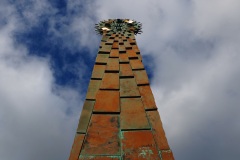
(191, 51)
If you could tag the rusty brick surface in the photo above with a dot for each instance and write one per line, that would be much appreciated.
(167, 155)
(147, 97)
(141, 77)
(125, 70)
(98, 71)
(133, 115)
(93, 87)
(120, 41)
(127, 45)
(132, 41)
(109, 42)
(115, 45)
(128, 88)
(139, 145)
(113, 64)
(107, 101)
(122, 49)
(77, 145)
(123, 57)
(116, 39)
(131, 54)
(114, 53)
(136, 64)
(85, 116)
(102, 58)
(105, 49)
(99, 158)
(110, 81)
(157, 129)
(103, 136)
(136, 49)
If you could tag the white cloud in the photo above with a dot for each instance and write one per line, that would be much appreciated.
(37, 118)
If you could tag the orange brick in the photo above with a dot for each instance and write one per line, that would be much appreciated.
(99, 158)
(127, 45)
(102, 137)
(116, 39)
(76, 148)
(131, 54)
(136, 64)
(131, 41)
(147, 97)
(136, 49)
(133, 115)
(120, 41)
(122, 49)
(102, 58)
(128, 88)
(157, 129)
(110, 81)
(113, 64)
(85, 116)
(105, 49)
(139, 145)
(98, 71)
(123, 57)
(115, 45)
(109, 42)
(125, 70)
(141, 77)
(92, 89)
(167, 155)
(107, 101)
(114, 53)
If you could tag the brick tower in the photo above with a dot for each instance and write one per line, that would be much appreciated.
(119, 119)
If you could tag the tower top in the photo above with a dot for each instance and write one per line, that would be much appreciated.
(118, 26)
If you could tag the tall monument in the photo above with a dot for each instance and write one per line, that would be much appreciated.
(119, 119)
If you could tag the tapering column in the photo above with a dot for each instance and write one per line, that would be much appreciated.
(119, 119)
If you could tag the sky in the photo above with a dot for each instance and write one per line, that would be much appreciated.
(190, 50)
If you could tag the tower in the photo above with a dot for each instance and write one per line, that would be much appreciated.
(119, 119)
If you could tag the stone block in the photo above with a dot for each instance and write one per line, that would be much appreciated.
(128, 88)
(77, 145)
(85, 116)
(136, 64)
(93, 87)
(103, 136)
(147, 97)
(139, 145)
(107, 101)
(112, 65)
(110, 81)
(133, 115)
(98, 71)
(157, 129)
(141, 77)
(125, 70)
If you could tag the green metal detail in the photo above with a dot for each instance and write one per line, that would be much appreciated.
(119, 26)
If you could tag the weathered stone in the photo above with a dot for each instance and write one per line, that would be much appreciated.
(85, 116)
(133, 115)
(103, 136)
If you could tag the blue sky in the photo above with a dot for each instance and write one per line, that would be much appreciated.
(190, 49)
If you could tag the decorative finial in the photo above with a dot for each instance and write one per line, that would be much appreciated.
(118, 26)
